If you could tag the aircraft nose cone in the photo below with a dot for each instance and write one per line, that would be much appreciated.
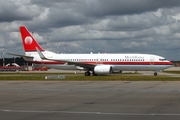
(170, 63)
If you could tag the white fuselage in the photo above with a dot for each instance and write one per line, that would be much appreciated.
(127, 62)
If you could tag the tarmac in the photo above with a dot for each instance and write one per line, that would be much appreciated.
(113, 100)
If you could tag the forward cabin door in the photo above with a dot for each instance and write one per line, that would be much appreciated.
(151, 66)
(151, 60)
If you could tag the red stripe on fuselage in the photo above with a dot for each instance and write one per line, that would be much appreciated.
(107, 63)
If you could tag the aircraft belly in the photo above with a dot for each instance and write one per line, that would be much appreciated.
(140, 67)
(62, 67)
(130, 67)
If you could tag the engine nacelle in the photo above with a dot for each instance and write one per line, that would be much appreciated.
(103, 69)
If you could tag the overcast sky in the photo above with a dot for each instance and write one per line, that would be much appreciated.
(84, 26)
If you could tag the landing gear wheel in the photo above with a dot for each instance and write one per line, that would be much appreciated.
(94, 74)
(87, 73)
(155, 74)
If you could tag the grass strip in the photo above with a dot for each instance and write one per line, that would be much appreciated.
(122, 78)
(173, 72)
(93, 78)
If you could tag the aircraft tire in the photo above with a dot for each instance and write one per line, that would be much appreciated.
(87, 73)
(94, 74)
(155, 74)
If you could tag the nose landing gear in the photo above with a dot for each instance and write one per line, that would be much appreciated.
(155, 73)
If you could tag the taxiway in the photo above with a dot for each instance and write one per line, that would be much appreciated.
(49, 100)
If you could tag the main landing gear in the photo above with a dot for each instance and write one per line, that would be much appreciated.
(87, 73)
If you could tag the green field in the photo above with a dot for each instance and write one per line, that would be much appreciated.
(80, 77)
(173, 72)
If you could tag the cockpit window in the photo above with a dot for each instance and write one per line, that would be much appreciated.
(162, 59)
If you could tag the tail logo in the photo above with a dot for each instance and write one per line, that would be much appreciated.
(29, 43)
(28, 40)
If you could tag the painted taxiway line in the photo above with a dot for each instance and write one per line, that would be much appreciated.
(98, 113)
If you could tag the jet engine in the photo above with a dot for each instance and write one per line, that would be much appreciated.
(103, 69)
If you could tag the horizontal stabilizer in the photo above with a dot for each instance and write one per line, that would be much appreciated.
(20, 55)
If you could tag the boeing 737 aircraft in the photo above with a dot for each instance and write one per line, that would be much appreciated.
(96, 64)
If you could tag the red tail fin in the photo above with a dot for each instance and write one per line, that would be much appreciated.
(28, 41)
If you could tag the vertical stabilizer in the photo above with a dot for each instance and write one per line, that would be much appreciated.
(29, 43)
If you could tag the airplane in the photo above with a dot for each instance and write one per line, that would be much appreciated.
(95, 64)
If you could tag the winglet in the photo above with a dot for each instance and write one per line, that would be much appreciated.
(41, 55)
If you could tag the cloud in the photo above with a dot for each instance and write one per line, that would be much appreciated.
(16, 10)
(127, 7)
(140, 26)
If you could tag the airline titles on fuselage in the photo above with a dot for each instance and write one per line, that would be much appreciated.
(134, 57)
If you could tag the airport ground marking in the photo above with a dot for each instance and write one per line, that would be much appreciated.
(83, 112)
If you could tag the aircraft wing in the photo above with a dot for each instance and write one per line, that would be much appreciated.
(81, 64)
